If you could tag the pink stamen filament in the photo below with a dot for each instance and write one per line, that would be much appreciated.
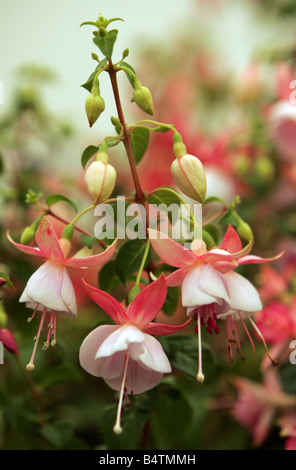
(200, 376)
(31, 318)
(117, 427)
(274, 363)
(31, 365)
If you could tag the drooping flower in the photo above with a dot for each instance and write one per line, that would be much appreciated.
(258, 404)
(126, 355)
(50, 289)
(210, 288)
(277, 322)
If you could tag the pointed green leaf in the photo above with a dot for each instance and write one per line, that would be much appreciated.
(87, 154)
(106, 43)
(129, 258)
(89, 82)
(139, 139)
(54, 198)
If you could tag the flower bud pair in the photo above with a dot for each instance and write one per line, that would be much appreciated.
(100, 180)
(189, 176)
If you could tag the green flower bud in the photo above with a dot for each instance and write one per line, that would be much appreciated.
(100, 180)
(142, 97)
(68, 232)
(94, 106)
(135, 290)
(244, 230)
(29, 232)
(27, 235)
(189, 176)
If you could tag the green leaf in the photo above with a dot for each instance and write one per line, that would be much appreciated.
(129, 258)
(230, 217)
(139, 140)
(58, 433)
(89, 82)
(87, 154)
(54, 198)
(1, 164)
(7, 279)
(133, 421)
(214, 199)
(165, 196)
(170, 406)
(129, 72)
(88, 240)
(108, 278)
(182, 351)
(106, 43)
(171, 301)
(61, 374)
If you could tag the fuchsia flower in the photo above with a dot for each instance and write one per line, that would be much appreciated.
(125, 355)
(258, 404)
(50, 288)
(210, 288)
(277, 322)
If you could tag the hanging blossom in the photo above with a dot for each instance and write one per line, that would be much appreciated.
(257, 405)
(50, 289)
(125, 355)
(210, 288)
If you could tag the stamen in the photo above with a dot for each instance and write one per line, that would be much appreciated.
(230, 338)
(117, 427)
(274, 363)
(31, 318)
(31, 365)
(54, 328)
(248, 334)
(200, 376)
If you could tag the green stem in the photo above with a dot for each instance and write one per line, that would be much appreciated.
(138, 279)
(81, 214)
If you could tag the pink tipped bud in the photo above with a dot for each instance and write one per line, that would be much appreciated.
(189, 176)
(8, 341)
(100, 180)
(94, 106)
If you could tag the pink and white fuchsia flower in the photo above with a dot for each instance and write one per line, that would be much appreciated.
(125, 355)
(50, 288)
(210, 288)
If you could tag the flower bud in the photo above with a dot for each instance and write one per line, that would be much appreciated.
(135, 290)
(94, 106)
(142, 97)
(244, 230)
(27, 235)
(189, 176)
(100, 180)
